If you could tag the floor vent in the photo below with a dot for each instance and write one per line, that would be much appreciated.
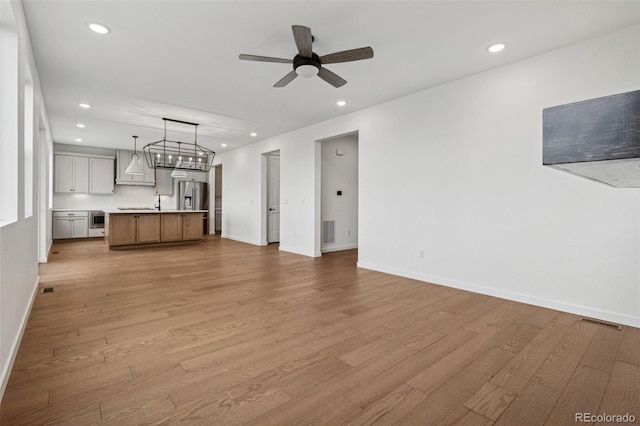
(602, 323)
(328, 231)
(47, 290)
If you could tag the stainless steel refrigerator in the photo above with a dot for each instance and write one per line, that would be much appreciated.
(194, 196)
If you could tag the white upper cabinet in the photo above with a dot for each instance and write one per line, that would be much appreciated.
(101, 177)
(63, 181)
(123, 160)
(82, 174)
(72, 174)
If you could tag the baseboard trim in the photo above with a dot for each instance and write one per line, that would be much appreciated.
(6, 371)
(509, 295)
(46, 259)
(301, 252)
(339, 248)
(240, 239)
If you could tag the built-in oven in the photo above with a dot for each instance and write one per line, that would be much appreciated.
(96, 223)
(96, 219)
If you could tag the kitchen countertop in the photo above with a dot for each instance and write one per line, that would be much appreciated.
(76, 210)
(116, 211)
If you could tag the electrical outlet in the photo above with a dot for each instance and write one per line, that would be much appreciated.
(421, 253)
(295, 235)
(349, 232)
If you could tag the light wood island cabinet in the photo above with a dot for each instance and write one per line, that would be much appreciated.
(146, 228)
(172, 227)
(192, 227)
(122, 229)
(181, 226)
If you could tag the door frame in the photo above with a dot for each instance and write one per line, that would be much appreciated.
(212, 197)
(318, 189)
(264, 202)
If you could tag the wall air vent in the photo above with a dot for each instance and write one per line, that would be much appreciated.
(328, 231)
(602, 323)
(598, 139)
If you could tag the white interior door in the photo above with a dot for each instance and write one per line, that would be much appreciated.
(273, 198)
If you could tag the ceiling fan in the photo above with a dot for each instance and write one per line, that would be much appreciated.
(307, 64)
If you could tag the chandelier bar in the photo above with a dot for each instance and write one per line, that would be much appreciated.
(170, 154)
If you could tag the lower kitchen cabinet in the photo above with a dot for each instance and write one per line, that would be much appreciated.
(171, 227)
(126, 229)
(191, 226)
(181, 226)
(70, 225)
(129, 229)
(122, 229)
(148, 228)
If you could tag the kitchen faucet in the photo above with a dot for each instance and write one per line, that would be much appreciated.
(158, 206)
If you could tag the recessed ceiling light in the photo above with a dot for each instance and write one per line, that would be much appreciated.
(497, 47)
(78, 140)
(86, 106)
(80, 125)
(341, 103)
(99, 28)
(223, 145)
(254, 134)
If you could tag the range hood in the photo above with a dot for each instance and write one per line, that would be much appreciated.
(598, 139)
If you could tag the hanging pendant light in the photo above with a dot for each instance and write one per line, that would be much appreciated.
(135, 168)
(167, 154)
(178, 172)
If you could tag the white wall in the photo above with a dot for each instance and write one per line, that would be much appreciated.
(19, 240)
(463, 180)
(340, 173)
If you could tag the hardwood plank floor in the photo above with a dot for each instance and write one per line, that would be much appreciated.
(229, 333)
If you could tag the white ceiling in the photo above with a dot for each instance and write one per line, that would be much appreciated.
(179, 59)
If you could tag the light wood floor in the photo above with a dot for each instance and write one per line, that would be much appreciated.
(228, 333)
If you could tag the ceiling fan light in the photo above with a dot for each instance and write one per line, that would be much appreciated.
(307, 71)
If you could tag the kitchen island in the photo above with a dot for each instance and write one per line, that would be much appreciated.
(148, 228)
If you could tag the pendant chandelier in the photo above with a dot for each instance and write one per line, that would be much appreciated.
(180, 157)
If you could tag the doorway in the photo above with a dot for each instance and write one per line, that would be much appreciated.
(339, 193)
(272, 162)
(217, 197)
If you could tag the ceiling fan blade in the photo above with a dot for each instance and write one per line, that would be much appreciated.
(286, 79)
(264, 59)
(347, 56)
(332, 78)
(303, 39)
